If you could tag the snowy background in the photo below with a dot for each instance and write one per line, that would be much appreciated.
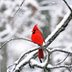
(47, 14)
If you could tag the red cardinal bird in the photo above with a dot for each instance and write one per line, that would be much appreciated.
(37, 38)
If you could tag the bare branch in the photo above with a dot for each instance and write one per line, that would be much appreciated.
(63, 59)
(60, 50)
(54, 67)
(62, 66)
(15, 39)
(18, 8)
(67, 5)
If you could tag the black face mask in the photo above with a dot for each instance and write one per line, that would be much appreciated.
(34, 31)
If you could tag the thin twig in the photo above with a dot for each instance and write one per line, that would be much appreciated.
(67, 52)
(62, 66)
(63, 59)
(18, 8)
(67, 5)
(55, 67)
(10, 66)
(15, 39)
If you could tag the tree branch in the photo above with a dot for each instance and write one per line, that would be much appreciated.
(63, 60)
(54, 67)
(15, 39)
(60, 27)
(18, 8)
(67, 5)
(62, 66)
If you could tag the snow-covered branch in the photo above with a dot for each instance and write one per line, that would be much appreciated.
(60, 27)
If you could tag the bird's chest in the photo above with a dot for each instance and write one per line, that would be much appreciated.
(37, 38)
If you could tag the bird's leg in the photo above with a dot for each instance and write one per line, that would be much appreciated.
(40, 60)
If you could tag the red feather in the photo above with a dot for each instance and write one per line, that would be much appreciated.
(37, 38)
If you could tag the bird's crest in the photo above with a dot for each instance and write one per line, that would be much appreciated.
(35, 27)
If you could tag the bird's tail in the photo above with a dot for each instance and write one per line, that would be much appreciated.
(40, 54)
